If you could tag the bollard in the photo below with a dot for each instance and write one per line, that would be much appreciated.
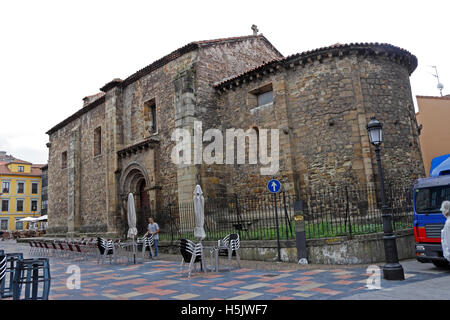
(300, 235)
(29, 274)
(6, 289)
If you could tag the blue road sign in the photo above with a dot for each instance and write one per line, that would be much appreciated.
(274, 186)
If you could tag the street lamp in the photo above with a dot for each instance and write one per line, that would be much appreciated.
(392, 270)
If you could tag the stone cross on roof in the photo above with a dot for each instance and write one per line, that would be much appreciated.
(255, 30)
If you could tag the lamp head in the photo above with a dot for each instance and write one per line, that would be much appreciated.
(375, 130)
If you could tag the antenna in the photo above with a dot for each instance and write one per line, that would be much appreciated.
(440, 86)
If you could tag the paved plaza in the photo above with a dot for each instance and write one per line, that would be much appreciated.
(161, 279)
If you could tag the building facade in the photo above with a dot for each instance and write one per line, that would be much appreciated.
(319, 102)
(44, 190)
(435, 131)
(20, 194)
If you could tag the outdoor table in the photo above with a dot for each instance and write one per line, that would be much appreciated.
(213, 258)
(128, 248)
(214, 254)
(31, 273)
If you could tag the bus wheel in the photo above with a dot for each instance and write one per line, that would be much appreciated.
(441, 263)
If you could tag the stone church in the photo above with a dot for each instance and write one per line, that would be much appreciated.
(120, 141)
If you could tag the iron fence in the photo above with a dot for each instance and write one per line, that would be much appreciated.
(328, 212)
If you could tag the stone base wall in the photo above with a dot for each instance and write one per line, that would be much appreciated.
(362, 249)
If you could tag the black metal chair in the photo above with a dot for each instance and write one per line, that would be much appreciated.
(106, 248)
(6, 286)
(192, 253)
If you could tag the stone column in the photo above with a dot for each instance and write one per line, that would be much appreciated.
(113, 143)
(283, 123)
(74, 181)
(360, 130)
(185, 104)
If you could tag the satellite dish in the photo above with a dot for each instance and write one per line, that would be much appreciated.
(440, 86)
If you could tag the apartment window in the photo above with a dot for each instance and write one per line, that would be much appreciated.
(34, 188)
(150, 116)
(98, 141)
(19, 224)
(5, 186)
(4, 224)
(5, 205)
(19, 205)
(20, 168)
(20, 187)
(64, 160)
(34, 205)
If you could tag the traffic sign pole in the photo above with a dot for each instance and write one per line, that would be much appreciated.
(274, 186)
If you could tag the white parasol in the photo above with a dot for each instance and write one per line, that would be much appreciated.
(131, 214)
(199, 211)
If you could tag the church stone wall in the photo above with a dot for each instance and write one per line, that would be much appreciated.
(77, 201)
(322, 103)
(321, 109)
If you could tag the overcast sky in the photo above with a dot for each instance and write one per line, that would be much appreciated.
(54, 53)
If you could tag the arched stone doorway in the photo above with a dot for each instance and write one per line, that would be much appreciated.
(135, 180)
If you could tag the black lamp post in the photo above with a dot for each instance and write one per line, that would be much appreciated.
(392, 270)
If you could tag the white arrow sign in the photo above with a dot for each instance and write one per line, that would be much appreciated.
(274, 186)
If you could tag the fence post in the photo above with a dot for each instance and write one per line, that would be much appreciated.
(391, 205)
(347, 213)
(286, 217)
(171, 222)
(276, 224)
(238, 213)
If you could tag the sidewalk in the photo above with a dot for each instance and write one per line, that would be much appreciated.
(256, 280)
(436, 288)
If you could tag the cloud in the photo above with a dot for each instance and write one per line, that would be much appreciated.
(21, 148)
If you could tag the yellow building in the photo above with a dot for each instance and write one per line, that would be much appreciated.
(432, 118)
(20, 193)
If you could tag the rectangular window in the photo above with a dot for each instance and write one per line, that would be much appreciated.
(19, 224)
(20, 187)
(98, 141)
(34, 205)
(5, 205)
(64, 160)
(19, 205)
(5, 186)
(150, 116)
(20, 168)
(34, 188)
(262, 96)
(265, 98)
(4, 224)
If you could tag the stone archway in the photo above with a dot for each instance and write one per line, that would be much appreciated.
(135, 179)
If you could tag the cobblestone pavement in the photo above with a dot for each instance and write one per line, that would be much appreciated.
(161, 279)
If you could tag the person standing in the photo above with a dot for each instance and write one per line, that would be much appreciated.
(153, 229)
(445, 233)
